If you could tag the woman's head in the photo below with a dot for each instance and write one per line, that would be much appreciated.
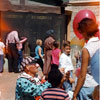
(87, 27)
(39, 42)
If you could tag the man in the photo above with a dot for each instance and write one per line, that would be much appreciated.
(29, 85)
(11, 40)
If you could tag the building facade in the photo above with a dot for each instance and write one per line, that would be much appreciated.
(74, 6)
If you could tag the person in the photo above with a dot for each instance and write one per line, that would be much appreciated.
(19, 48)
(96, 93)
(11, 40)
(65, 58)
(39, 53)
(48, 46)
(56, 78)
(2, 50)
(65, 63)
(86, 83)
(29, 85)
(56, 52)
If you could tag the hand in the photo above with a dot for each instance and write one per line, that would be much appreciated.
(67, 75)
(61, 70)
(74, 98)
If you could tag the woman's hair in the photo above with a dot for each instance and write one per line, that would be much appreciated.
(88, 26)
(55, 77)
(55, 44)
(38, 41)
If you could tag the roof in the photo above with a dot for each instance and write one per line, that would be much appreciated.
(6, 5)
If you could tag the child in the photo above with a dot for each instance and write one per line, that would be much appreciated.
(19, 47)
(66, 66)
(56, 78)
(56, 52)
(65, 59)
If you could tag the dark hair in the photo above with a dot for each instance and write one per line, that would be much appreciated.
(54, 77)
(55, 44)
(88, 26)
(54, 67)
(50, 33)
(67, 43)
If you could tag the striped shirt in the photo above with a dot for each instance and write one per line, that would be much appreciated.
(55, 94)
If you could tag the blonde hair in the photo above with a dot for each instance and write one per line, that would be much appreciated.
(38, 41)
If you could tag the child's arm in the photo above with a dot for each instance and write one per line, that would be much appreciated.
(71, 80)
(23, 40)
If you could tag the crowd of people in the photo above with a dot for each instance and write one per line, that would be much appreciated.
(56, 66)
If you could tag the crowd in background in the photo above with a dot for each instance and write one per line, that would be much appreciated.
(56, 65)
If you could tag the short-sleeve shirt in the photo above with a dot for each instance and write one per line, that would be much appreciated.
(55, 94)
(12, 37)
(65, 62)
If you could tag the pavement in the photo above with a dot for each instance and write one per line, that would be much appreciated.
(8, 83)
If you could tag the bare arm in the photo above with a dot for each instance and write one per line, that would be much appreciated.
(72, 80)
(80, 82)
(23, 40)
(40, 52)
(59, 54)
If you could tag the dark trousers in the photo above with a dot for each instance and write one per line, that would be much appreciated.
(12, 58)
(40, 62)
(20, 58)
(1, 63)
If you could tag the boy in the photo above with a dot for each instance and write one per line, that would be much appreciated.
(56, 78)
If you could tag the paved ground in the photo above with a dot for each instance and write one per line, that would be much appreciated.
(8, 84)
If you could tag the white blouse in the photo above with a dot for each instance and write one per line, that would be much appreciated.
(92, 46)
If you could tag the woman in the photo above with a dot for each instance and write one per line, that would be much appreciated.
(85, 84)
(39, 53)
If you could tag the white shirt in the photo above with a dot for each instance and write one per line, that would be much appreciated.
(92, 46)
(65, 62)
(12, 38)
(2, 46)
